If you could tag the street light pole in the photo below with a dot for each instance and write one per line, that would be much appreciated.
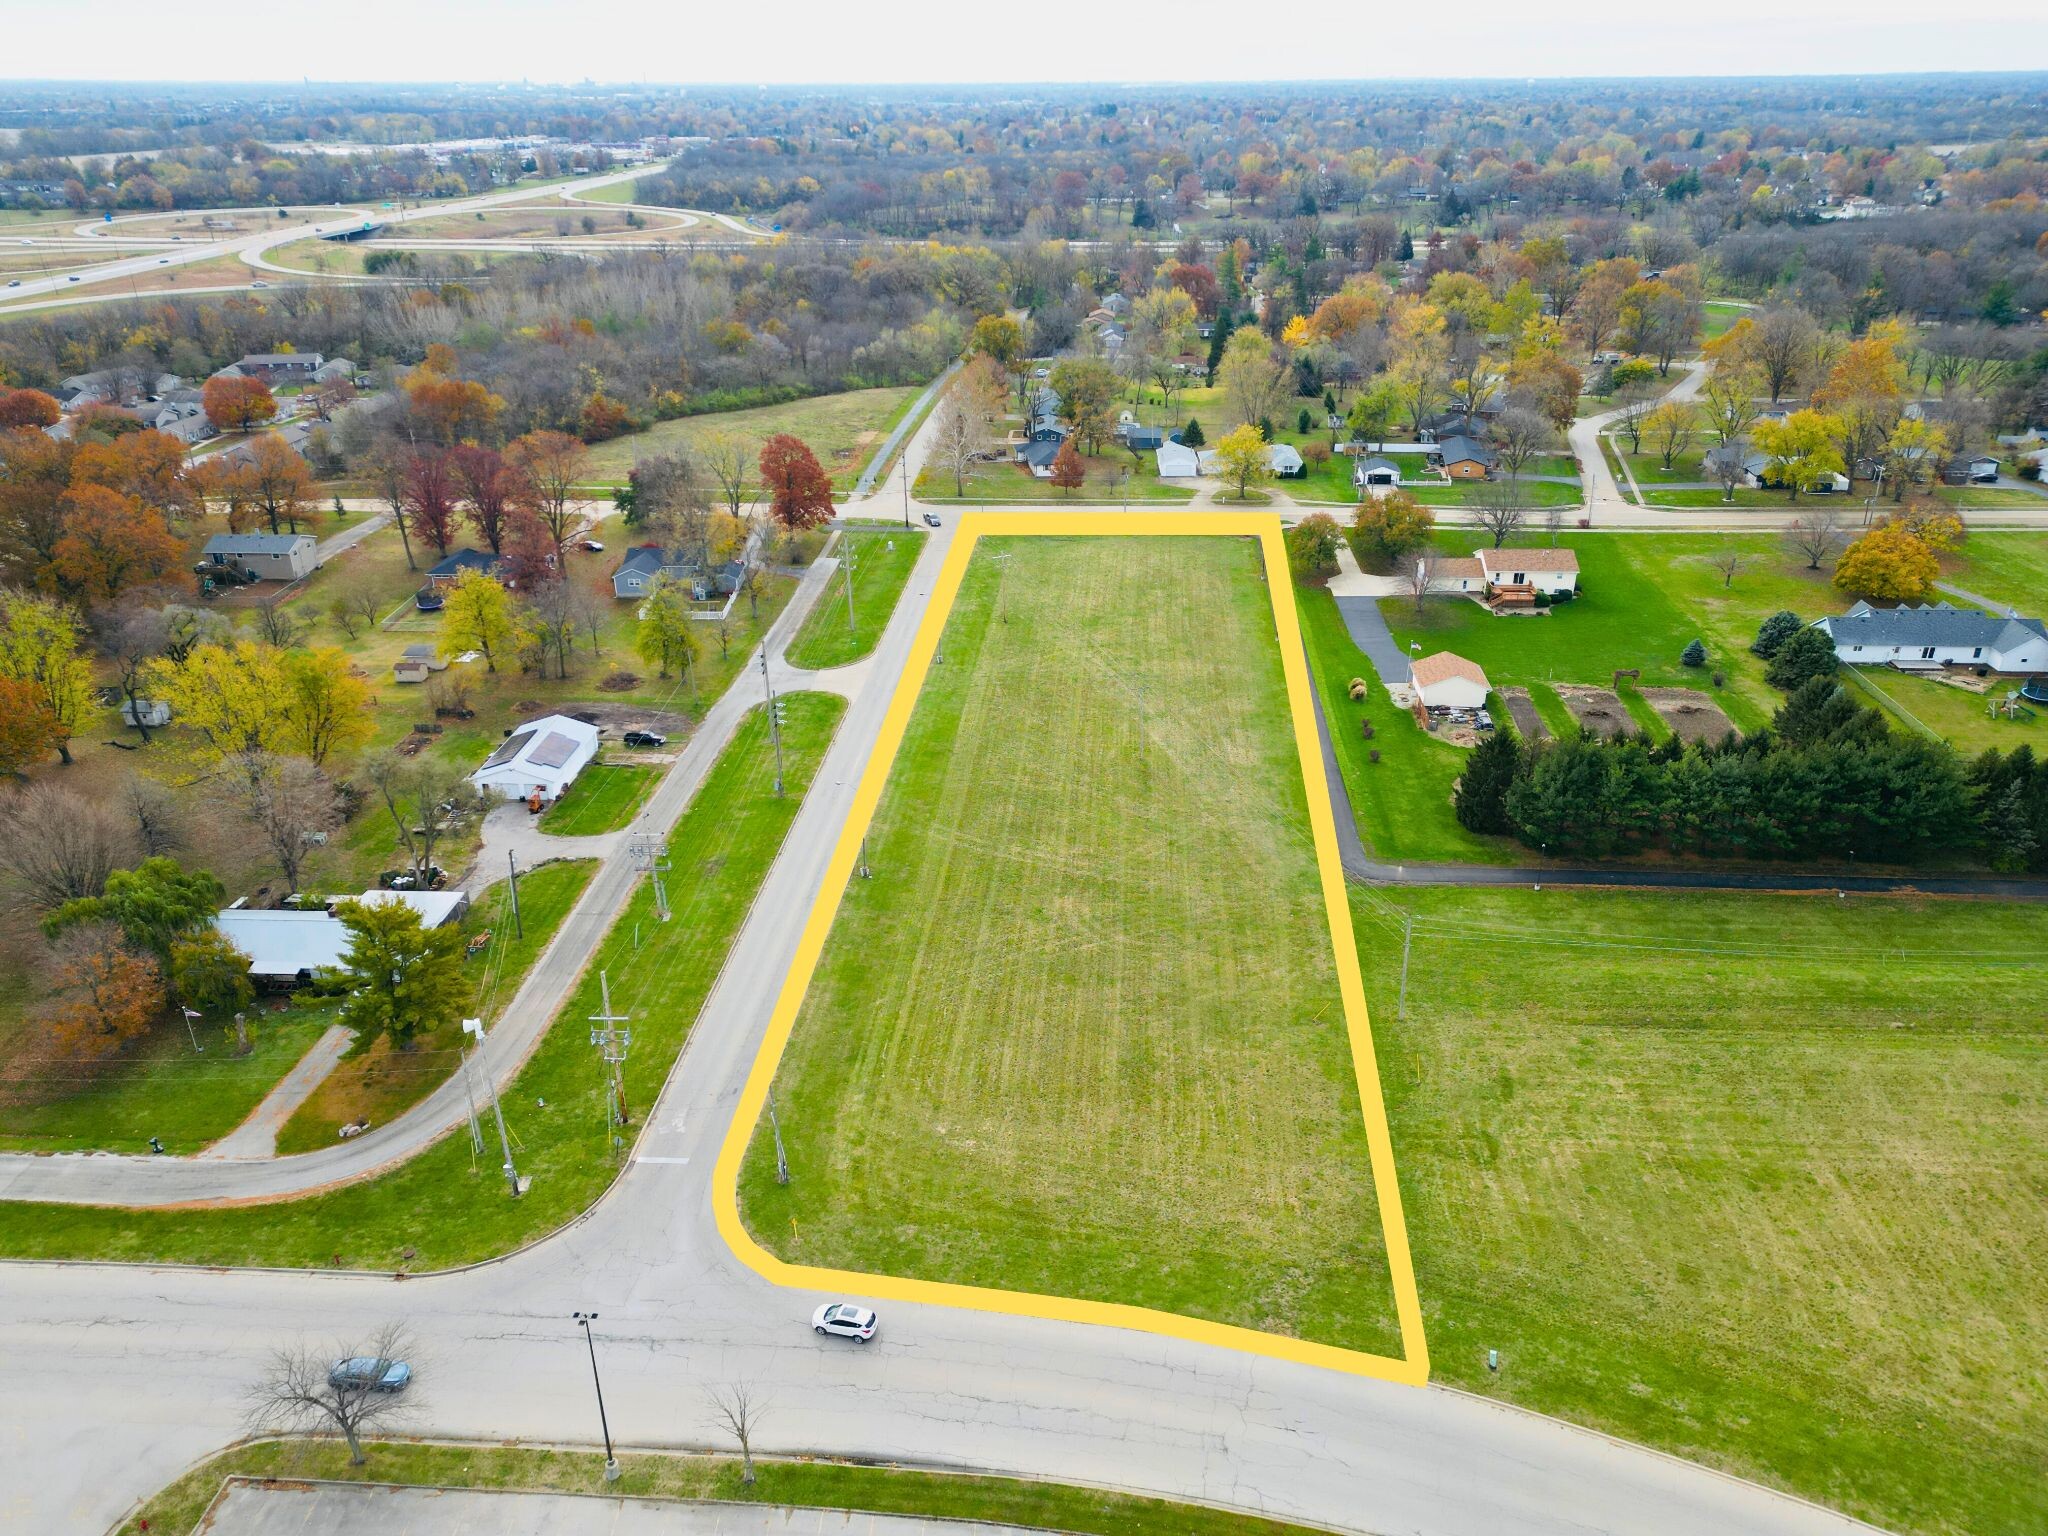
(774, 719)
(611, 1462)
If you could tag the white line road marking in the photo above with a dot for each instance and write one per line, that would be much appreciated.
(661, 1159)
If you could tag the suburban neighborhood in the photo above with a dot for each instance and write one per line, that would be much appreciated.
(1252, 807)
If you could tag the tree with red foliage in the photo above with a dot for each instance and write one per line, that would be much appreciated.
(1199, 284)
(530, 553)
(429, 495)
(798, 484)
(1068, 472)
(28, 729)
(236, 404)
(103, 992)
(602, 418)
(28, 408)
(111, 542)
(493, 492)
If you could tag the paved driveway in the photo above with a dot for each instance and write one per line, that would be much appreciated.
(1369, 630)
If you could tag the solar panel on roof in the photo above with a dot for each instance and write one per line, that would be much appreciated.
(509, 750)
(554, 750)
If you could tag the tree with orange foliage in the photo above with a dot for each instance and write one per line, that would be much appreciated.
(451, 409)
(602, 418)
(800, 489)
(28, 408)
(278, 482)
(235, 404)
(28, 730)
(32, 497)
(553, 462)
(1068, 472)
(1890, 563)
(103, 992)
(111, 542)
(148, 465)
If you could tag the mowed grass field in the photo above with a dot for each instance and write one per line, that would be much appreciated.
(1080, 1034)
(1755, 1179)
(843, 430)
(882, 560)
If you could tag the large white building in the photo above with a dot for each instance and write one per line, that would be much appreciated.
(540, 757)
(1933, 635)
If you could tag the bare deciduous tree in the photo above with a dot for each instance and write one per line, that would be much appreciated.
(728, 458)
(292, 804)
(1815, 536)
(425, 799)
(1630, 420)
(1421, 577)
(1501, 511)
(1725, 465)
(960, 436)
(1553, 522)
(1520, 434)
(738, 1410)
(57, 845)
(278, 625)
(153, 808)
(1730, 563)
(301, 1393)
(132, 637)
(551, 618)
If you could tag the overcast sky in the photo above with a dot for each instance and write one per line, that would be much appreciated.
(884, 41)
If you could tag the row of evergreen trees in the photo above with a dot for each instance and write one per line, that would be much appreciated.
(1829, 780)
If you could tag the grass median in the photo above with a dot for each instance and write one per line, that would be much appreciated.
(824, 1485)
(604, 798)
(445, 1206)
(1080, 1034)
(883, 558)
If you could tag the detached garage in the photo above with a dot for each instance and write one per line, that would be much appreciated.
(540, 757)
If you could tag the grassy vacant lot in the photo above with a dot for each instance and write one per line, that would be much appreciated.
(604, 798)
(1754, 1179)
(157, 1087)
(1111, 475)
(834, 1486)
(2007, 567)
(379, 1083)
(1080, 1035)
(449, 1207)
(843, 430)
(882, 560)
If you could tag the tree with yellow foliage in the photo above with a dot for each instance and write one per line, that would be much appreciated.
(479, 616)
(1241, 456)
(1890, 563)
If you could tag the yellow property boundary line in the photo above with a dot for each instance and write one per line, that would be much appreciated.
(1413, 1367)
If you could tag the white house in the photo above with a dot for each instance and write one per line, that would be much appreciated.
(542, 756)
(1284, 459)
(292, 946)
(1447, 681)
(272, 556)
(1177, 461)
(1936, 635)
(1549, 571)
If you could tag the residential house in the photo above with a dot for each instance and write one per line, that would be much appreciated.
(1758, 476)
(1285, 459)
(272, 556)
(295, 435)
(1931, 636)
(279, 367)
(290, 948)
(1975, 469)
(1038, 454)
(1177, 461)
(1117, 304)
(1375, 473)
(1462, 458)
(1141, 439)
(1549, 571)
(450, 570)
(540, 758)
(1447, 424)
(644, 562)
(1448, 681)
(334, 370)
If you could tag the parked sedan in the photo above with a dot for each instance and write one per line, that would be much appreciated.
(845, 1320)
(361, 1372)
(931, 519)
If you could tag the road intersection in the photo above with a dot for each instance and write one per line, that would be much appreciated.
(120, 1376)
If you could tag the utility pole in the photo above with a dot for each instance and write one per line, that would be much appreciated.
(849, 560)
(781, 1158)
(903, 471)
(774, 719)
(650, 858)
(518, 923)
(612, 1042)
(1407, 938)
(475, 1027)
(611, 1462)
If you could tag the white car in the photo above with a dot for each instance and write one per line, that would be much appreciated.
(845, 1320)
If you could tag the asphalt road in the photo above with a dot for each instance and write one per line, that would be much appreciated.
(118, 1377)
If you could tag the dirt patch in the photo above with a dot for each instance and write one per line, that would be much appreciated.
(1522, 710)
(1599, 711)
(614, 718)
(1692, 715)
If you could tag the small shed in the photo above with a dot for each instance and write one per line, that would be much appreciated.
(272, 556)
(417, 664)
(145, 712)
(1448, 681)
(540, 757)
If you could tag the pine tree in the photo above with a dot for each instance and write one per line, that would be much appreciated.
(1191, 435)
(1482, 800)
(1774, 632)
(1694, 654)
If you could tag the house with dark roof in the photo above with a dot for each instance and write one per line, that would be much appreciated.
(450, 570)
(1758, 475)
(644, 562)
(279, 367)
(1462, 458)
(1930, 636)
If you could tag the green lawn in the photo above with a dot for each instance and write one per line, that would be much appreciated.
(1079, 1035)
(1016, 1503)
(2006, 567)
(378, 1083)
(1111, 475)
(1718, 316)
(449, 1207)
(604, 798)
(1753, 1179)
(882, 559)
(1402, 802)
(843, 430)
(157, 1087)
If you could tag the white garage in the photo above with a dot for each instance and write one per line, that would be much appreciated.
(542, 756)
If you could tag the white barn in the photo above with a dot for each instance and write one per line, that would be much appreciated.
(543, 755)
